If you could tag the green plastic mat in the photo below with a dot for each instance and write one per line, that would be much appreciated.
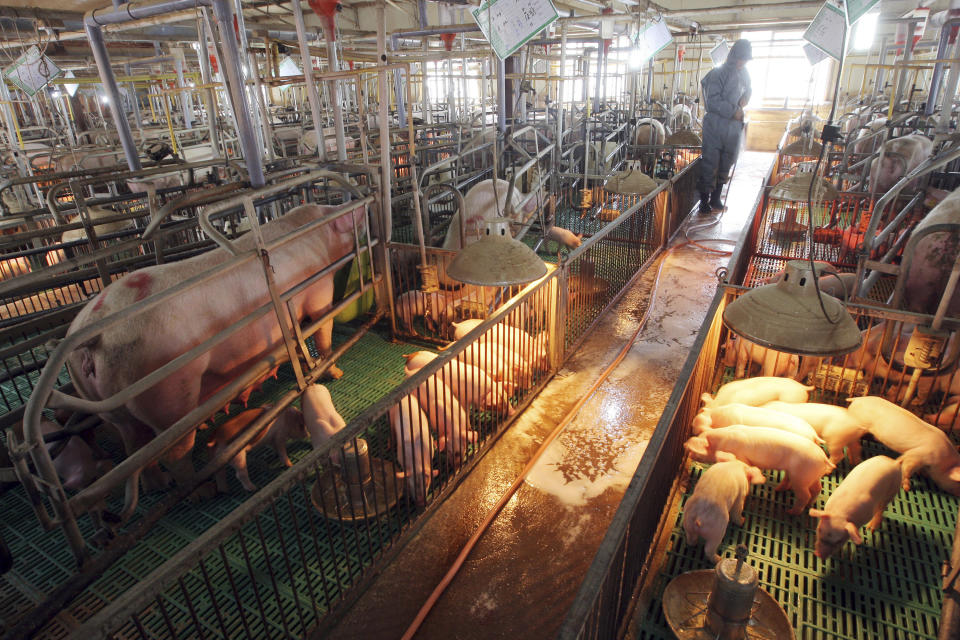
(42, 560)
(887, 587)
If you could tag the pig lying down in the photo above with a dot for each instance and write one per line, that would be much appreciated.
(717, 499)
(758, 391)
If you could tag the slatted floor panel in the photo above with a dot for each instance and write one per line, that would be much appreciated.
(888, 587)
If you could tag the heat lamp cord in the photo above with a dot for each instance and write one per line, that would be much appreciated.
(518, 482)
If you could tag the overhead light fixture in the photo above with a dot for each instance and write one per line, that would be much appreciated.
(797, 188)
(496, 260)
(789, 316)
(71, 88)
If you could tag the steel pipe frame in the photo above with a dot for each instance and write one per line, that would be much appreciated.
(95, 20)
(401, 67)
(146, 590)
(9, 183)
(65, 511)
(936, 79)
(307, 63)
(869, 238)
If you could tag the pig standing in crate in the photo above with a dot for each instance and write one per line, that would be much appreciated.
(900, 157)
(106, 363)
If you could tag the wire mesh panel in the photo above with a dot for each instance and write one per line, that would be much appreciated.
(888, 584)
(276, 566)
(606, 263)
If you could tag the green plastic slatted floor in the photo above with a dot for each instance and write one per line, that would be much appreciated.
(372, 367)
(888, 587)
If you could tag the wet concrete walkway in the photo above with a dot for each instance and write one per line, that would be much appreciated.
(526, 570)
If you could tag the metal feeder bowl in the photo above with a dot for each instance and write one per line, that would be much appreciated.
(361, 488)
(724, 604)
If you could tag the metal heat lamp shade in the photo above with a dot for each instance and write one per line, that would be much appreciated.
(786, 316)
(797, 188)
(497, 259)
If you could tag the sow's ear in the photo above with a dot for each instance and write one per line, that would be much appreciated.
(345, 222)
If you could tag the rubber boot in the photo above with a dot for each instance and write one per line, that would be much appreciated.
(705, 207)
(715, 202)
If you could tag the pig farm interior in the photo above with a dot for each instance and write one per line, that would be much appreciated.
(389, 319)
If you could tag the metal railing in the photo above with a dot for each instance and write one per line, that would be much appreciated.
(299, 548)
(51, 504)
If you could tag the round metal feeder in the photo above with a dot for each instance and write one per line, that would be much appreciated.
(797, 188)
(630, 182)
(683, 138)
(360, 489)
(725, 604)
(802, 147)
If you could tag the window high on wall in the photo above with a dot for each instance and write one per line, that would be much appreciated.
(780, 73)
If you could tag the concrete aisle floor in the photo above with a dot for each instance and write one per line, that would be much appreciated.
(525, 571)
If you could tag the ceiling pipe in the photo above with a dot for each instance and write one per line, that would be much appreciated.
(96, 20)
(735, 8)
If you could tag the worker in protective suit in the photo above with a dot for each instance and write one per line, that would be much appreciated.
(726, 91)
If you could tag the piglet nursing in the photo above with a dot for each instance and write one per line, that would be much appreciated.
(861, 497)
(717, 499)
(287, 426)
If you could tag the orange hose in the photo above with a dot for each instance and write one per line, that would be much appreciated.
(567, 419)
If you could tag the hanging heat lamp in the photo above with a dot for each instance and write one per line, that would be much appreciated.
(794, 316)
(497, 259)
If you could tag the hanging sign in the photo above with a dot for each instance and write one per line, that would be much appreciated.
(509, 24)
(32, 71)
(814, 55)
(856, 9)
(652, 39)
(826, 30)
(718, 55)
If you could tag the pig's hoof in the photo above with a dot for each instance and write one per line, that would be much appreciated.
(205, 491)
(739, 521)
(715, 559)
(334, 372)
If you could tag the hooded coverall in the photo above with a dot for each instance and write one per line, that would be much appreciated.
(725, 89)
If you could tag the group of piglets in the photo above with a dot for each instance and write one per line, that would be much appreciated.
(484, 376)
(766, 423)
